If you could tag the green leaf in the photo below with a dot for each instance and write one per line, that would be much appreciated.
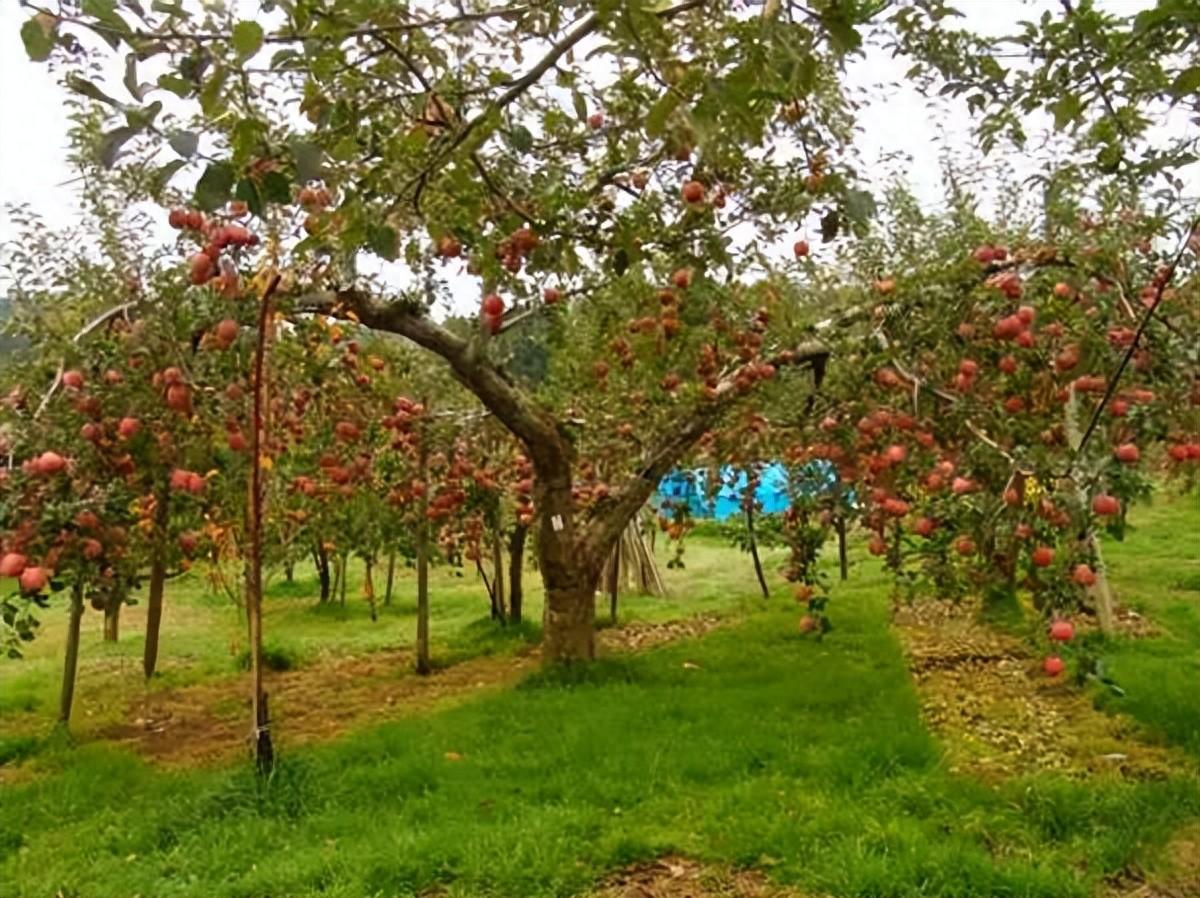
(111, 143)
(167, 172)
(185, 143)
(212, 190)
(37, 40)
(1066, 110)
(181, 87)
(111, 26)
(656, 118)
(860, 207)
(275, 188)
(843, 36)
(1186, 82)
(521, 138)
(248, 192)
(831, 223)
(85, 87)
(383, 241)
(247, 38)
(141, 117)
(309, 161)
(581, 109)
(172, 8)
(210, 95)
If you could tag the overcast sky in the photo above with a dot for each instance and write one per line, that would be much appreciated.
(898, 120)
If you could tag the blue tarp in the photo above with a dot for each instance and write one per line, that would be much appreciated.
(691, 488)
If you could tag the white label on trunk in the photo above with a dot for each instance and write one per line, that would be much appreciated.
(556, 523)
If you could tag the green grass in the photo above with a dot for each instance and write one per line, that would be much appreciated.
(805, 758)
(1156, 570)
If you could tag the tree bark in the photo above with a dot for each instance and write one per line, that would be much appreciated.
(158, 582)
(422, 571)
(71, 655)
(758, 570)
(516, 568)
(391, 577)
(289, 571)
(570, 621)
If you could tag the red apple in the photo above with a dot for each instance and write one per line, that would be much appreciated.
(800, 248)
(33, 579)
(1083, 575)
(964, 545)
(12, 564)
(1127, 453)
(1105, 505)
(1062, 630)
(1053, 666)
(1043, 556)
(693, 192)
(73, 379)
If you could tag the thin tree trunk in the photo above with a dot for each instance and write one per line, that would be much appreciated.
(112, 618)
(758, 571)
(264, 755)
(369, 587)
(614, 583)
(289, 571)
(839, 524)
(498, 575)
(321, 557)
(71, 657)
(345, 563)
(391, 577)
(422, 572)
(516, 568)
(158, 582)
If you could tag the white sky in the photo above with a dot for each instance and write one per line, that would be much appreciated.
(898, 121)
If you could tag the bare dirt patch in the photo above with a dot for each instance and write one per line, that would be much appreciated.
(678, 877)
(984, 693)
(207, 723)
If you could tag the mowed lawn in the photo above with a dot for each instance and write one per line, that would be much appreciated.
(751, 746)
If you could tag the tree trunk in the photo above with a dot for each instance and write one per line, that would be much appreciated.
(1100, 592)
(264, 755)
(422, 572)
(516, 566)
(158, 582)
(321, 558)
(289, 571)
(501, 613)
(112, 618)
(369, 587)
(758, 571)
(391, 577)
(570, 621)
(614, 583)
(71, 657)
(839, 524)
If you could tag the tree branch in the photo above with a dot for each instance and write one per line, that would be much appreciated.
(680, 437)
(534, 427)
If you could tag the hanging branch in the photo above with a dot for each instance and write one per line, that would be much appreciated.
(1167, 277)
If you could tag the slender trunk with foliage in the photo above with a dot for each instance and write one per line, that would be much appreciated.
(264, 755)
(343, 576)
(516, 568)
(158, 580)
(321, 560)
(71, 654)
(422, 572)
(391, 577)
(500, 612)
(369, 586)
(753, 542)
